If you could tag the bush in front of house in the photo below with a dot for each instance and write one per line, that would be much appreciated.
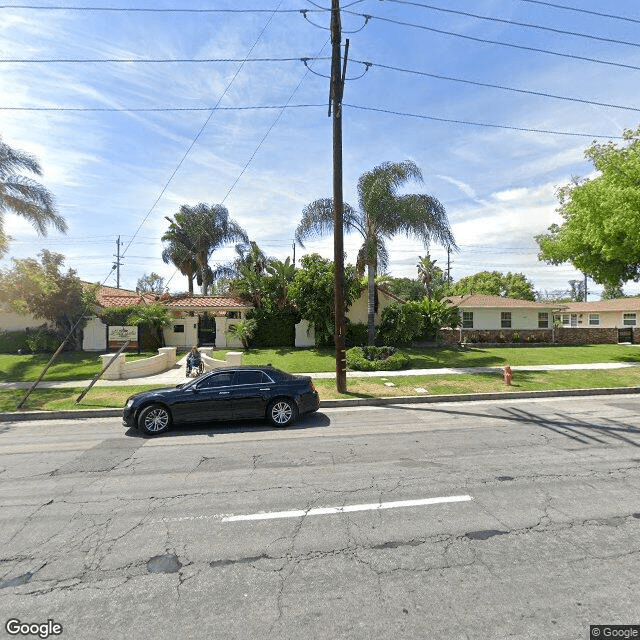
(13, 341)
(357, 334)
(400, 324)
(276, 326)
(376, 359)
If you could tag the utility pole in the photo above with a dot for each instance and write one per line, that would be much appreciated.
(585, 287)
(294, 252)
(335, 105)
(448, 264)
(117, 263)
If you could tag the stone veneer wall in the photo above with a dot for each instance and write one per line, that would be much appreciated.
(586, 335)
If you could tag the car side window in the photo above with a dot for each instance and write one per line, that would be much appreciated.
(250, 377)
(217, 380)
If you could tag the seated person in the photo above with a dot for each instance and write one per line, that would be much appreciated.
(193, 360)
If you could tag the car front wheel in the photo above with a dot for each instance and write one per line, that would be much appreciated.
(282, 412)
(154, 419)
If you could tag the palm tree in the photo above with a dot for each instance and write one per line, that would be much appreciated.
(194, 234)
(383, 214)
(426, 269)
(23, 196)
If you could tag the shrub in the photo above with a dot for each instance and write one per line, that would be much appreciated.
(357, 334)
(376, 359)
(275, 327)
(13, 341)
(515, 337)
(44, 339)
(400, 324)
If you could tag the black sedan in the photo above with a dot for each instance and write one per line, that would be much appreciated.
(229, 393)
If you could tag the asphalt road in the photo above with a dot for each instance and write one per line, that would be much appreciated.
(249, 532)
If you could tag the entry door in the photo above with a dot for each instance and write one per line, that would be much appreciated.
(207, 330)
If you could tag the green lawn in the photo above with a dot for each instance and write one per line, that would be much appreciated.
(68, 366)
(110, 397)
(83, 366)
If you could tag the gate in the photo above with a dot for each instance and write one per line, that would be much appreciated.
(206, 330)
(625, 335)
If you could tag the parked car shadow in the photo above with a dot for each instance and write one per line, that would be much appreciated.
(310, 421)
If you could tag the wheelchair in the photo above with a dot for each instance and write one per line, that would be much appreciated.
(196, 370)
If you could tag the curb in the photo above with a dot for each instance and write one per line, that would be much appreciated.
(355, 402)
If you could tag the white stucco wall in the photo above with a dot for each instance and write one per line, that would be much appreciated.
(186, 339)
(10, 321)
(608, 319)
(358, 310)
(305, 334)
(520, 318)
(94, 335)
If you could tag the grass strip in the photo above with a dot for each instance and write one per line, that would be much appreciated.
(115, 397)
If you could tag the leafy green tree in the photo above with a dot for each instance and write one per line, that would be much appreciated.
(494, 283)
(152, 283)
(155, 316)
(194, 234)
(247, 273)
(383, 213)
(600, 234)
(312, 293)
(44, 291)
(406, 288)
(23, 196)
(612, 292)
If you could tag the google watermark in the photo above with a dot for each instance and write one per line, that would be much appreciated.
(626, 631)
(42, 630)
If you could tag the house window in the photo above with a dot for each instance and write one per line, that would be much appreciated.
(178, 328)
(505, 319)
(467, 319)
(629, 319)
(543, 320)
(233, 315)
(594, 319)
(569, 319)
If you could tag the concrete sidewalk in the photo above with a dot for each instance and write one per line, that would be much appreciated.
(176, 375)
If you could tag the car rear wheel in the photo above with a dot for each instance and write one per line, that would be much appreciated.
(154, 419)
(282, 412)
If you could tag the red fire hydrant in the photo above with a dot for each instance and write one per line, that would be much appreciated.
(507, 375)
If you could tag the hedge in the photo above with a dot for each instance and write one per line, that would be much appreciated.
(377, 359)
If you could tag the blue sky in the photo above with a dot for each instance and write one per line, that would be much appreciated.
(107, 169)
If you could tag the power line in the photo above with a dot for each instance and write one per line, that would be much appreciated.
(484, 124)
(147, 60)
(162, 109)
(200, 131)
(152, 10)
(593, 13)
(517, 24)
(498, 86)
(499, 43)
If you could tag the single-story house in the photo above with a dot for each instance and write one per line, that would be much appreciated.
(487, 318)
(495, 319)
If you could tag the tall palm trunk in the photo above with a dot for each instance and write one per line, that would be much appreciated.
(371, 304)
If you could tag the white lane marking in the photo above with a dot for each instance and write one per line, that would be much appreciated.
(321, 511)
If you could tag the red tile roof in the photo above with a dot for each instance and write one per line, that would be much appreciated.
(498, 302)
(206, 302)
(112, 297)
